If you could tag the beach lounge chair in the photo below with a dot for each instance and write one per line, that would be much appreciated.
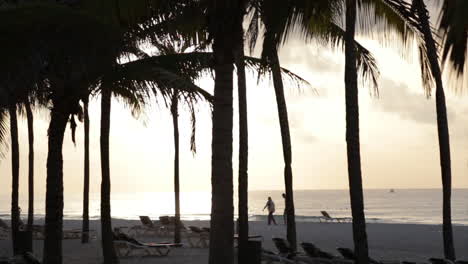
(168, 225)
(328, 218)
(314, 252)
(127, 249)
(269, 257)
(441, 261)
(284, 248)
(3, 225)
(198, 237)
(349, 254)
(148, 227)
(126, 246)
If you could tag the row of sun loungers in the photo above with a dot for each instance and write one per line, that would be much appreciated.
(38, 232)
(314, 255)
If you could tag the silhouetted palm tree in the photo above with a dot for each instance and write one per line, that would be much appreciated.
(106, 224)
(175, 123)
(222, 29)
(85, 227)
(352, 138)
(442, 128)
(243, 178)
(30, 121)
(15, 213)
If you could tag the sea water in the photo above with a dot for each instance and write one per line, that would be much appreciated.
(418, 206)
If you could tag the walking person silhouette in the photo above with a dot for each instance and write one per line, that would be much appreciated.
(271, 209)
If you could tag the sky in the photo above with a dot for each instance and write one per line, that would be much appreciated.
(399, 145)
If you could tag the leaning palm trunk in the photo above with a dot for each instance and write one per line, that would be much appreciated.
(442, 128)
(243, 147)
(286, 141)
(352, 138)
(106, 222)
(175, 120)
(85, 226)
(30, 120)
(15, 214)
(54, 189)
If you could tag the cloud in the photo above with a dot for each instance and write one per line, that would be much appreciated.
(308, 55)
(397, 98)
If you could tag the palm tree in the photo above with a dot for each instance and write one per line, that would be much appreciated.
(175, 122)
(106, 223)
(222, 28)
(243, 208)
(30, 121)
(442, 128)
(15, 214)
(286, 143)
(352, 138)
(85, 227)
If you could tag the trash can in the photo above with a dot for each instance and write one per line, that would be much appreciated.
(24, 241)
(254, 251)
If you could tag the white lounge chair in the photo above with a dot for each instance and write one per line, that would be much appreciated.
(127, 249)
(328, 218)
(198, 237)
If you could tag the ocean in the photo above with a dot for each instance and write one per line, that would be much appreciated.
(416, 206)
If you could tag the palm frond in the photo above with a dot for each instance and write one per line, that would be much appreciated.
(402, 23)
(389, 22)
(193, 123)
(453, 24)
(141, 79)
(332, 35)
(3, 131)
(184, 23)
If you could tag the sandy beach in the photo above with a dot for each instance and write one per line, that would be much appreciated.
(386, 241)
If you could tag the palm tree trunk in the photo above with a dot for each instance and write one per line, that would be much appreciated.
(352, 138)
(175, 120)
(243, 208)
(15, 214)
(30, 120)
(222, 204)
(287, 155)
(442, 129)
(106, 222)
(85, 227)
(54, 191)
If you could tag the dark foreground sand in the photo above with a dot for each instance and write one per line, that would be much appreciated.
(386, 241)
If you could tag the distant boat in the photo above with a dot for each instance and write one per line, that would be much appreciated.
(392, 190)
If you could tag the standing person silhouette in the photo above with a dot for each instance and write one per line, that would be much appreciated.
(271, 209)
(285, 218)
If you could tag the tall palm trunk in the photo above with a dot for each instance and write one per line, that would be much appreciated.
(15, 214)
(243, 208)
(54, 188)
(106, 222)
(286, 141)
(352, 138)
(442, 129)
(222, 204)
(85, 227)
(30, 120)
(175, 121)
